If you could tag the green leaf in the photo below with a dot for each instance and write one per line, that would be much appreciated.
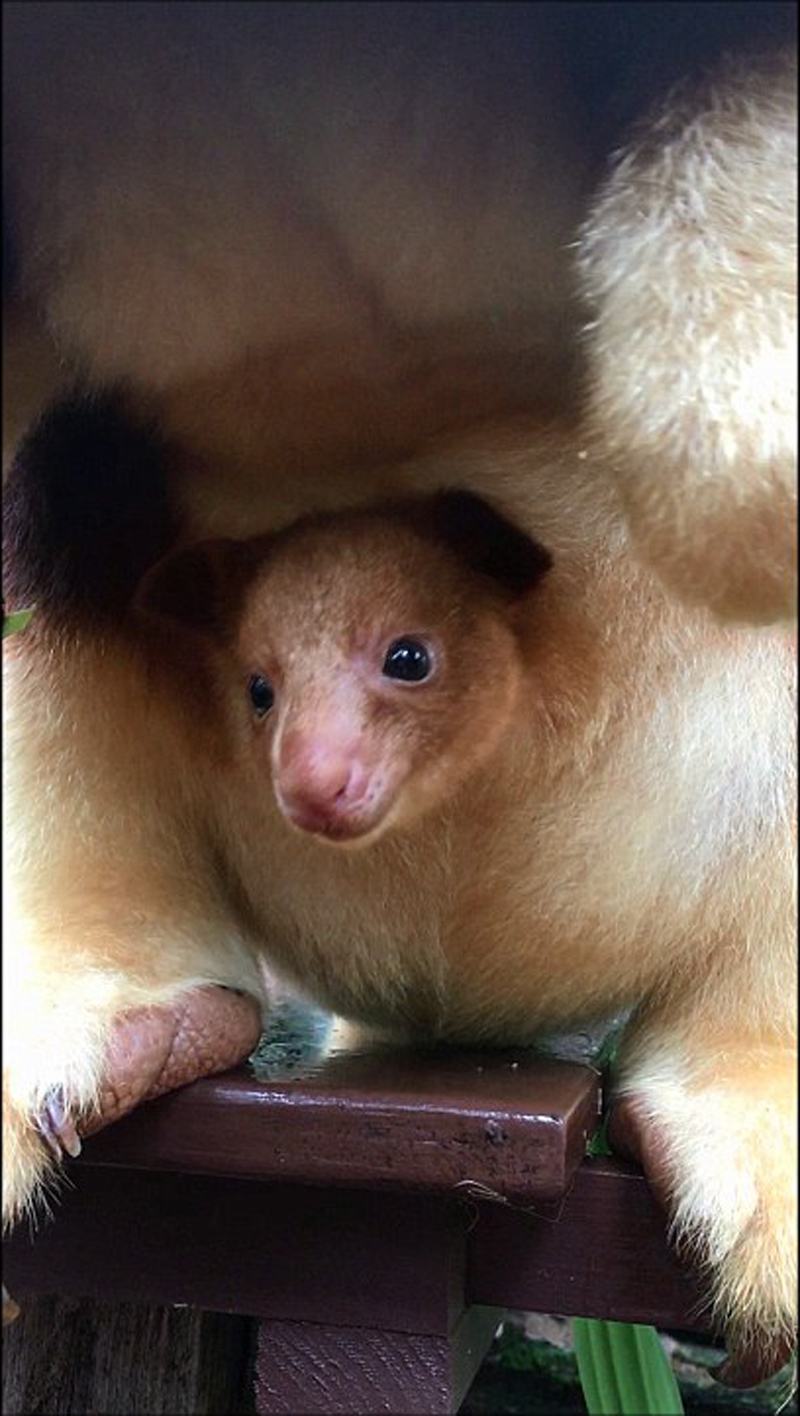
(624, 1370)
(16, 621)
(598, 1143)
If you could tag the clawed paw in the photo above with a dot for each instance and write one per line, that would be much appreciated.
(147, 1051)
(749, 1364)
(152, 1051)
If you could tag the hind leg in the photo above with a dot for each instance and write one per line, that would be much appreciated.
(712, 1116)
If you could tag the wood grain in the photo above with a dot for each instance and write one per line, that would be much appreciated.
(308, 1368)
(83, 1357)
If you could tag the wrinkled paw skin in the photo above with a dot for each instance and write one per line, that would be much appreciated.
(151, 1051)
(155, 1050)
(751, 1359)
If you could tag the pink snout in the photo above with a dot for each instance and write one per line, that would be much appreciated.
(323, 784)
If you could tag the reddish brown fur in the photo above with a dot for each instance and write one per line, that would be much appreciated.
(322, 650)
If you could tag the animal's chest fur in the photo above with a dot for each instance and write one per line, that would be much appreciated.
(455, 930)
(367, 927)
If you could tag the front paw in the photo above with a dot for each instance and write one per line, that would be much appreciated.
(149, 1051)
(750, 1251)
(154, 1050)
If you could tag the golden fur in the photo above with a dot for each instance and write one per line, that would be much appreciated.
(318, 317)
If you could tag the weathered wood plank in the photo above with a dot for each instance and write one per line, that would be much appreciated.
(64, 1355)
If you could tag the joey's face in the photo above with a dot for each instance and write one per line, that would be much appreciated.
(376, 676)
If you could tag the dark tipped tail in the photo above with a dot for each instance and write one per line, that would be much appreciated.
(85, 512)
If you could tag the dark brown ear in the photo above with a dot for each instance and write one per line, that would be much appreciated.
(488, 542)
(200, 587)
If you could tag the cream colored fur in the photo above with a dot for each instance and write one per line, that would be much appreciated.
(321, 308)
(689, 261)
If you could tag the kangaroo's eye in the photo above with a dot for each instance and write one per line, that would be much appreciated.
(262, 695)
(408, 660)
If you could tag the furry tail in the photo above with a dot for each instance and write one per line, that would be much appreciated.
(689, 264)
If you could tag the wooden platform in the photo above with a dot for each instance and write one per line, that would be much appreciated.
(376, 1213)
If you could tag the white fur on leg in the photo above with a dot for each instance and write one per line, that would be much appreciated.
(727, 1122)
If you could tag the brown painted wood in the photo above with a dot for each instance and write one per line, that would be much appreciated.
(325, 1369)
(79, 1357)
(280, 1252)
(510, 1120)
(368, 1209)
(355, 1258)
(602, 1254)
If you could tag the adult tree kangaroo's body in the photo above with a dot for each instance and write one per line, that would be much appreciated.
(293, 259)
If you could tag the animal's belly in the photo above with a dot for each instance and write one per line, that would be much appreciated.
(499, 989)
